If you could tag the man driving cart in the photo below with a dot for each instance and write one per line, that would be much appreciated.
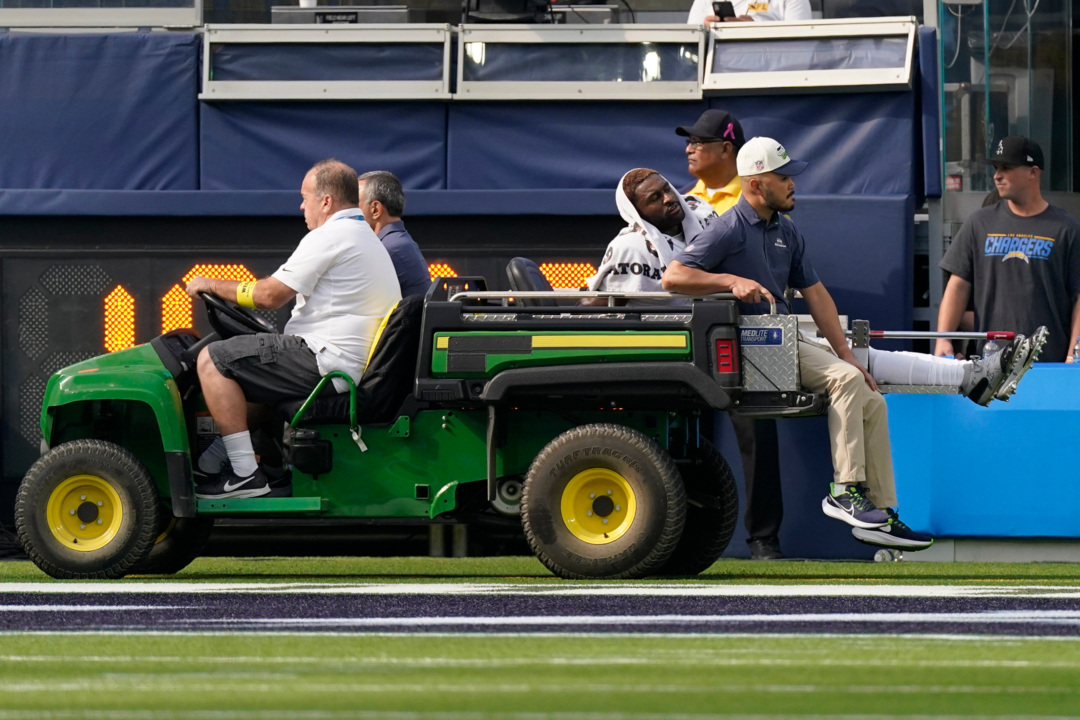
(344, 283)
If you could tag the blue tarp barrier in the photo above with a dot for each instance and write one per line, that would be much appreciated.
(961, 469)
(269, 146)
(99, 111)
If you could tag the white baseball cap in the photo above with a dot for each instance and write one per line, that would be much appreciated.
(761, 155)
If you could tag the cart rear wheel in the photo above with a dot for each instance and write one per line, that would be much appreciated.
(603, 501)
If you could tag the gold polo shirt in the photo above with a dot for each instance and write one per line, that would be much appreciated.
(722, 199)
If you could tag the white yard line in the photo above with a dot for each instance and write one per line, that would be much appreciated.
(427, 663)
(564, 590)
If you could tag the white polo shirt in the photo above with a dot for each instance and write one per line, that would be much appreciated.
(345, 284)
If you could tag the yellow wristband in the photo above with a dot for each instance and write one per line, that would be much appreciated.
(245, 294)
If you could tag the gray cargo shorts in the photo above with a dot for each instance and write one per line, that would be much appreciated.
(269, 368)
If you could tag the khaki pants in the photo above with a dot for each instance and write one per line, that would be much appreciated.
(858, 422)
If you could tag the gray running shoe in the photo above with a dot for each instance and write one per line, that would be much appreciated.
(1022, 361)
(893, 534)
(854, 508)
(987, 375)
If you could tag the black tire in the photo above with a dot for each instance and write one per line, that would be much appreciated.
(712, 512)
(639, 534)
(65, 495)
(178, 542)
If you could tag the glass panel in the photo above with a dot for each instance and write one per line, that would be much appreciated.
(860, 53)
(580, 62)
(313, 61)
(1006, 68)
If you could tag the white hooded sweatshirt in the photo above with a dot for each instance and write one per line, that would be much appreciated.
(636, 259)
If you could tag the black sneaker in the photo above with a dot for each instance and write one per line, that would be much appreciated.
(204, 479)
(854, 508)
(765, 548)
(894, 534)
(280, 480)
(228, 485)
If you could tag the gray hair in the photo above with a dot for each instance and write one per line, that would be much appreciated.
(384, 186)
(338, 180)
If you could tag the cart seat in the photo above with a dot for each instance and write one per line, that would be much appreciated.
(387, 381)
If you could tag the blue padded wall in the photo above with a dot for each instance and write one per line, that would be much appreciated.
(552, 145)
(99, 111)
(857, 144)
(269, 146)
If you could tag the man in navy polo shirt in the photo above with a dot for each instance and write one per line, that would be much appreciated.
(382, 201)
(754, 251)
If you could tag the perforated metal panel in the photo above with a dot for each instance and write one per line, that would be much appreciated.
(30, 394)
(33, 322)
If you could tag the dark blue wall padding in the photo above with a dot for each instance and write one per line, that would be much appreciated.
(99, 111)
(930, 111)
(862, 249)
(269, 146)
(856, 144)
(504, 146)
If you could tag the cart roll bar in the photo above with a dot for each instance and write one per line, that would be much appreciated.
(581, 294)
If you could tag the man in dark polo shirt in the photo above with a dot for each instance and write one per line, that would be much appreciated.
(754, 251)
(383, 201)
(1020, 257)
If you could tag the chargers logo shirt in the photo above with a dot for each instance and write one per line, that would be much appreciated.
(1024, 271)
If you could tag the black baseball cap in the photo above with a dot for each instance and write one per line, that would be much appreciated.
(715, 125)
(1017, 150)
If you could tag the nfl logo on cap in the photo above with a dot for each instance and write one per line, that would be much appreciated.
(762, 155)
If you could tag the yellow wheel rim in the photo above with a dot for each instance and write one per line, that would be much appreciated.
(84, 513)
(598, 506)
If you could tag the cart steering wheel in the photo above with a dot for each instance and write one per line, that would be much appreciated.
(229, 319)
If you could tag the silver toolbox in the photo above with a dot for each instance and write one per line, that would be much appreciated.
(769, 346)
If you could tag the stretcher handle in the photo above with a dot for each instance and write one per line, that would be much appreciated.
(935, 335)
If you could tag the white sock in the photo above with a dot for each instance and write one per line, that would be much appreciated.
(241, 454)
(214, 458)
(908, 368)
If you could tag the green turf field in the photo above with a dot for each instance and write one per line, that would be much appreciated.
(582, 677)
(238, 676)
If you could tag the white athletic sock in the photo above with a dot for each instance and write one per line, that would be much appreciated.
(908, 368)
(241, 454)
(214, 458)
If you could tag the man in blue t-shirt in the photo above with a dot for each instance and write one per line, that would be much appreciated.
(382, 201)
(755, 251)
